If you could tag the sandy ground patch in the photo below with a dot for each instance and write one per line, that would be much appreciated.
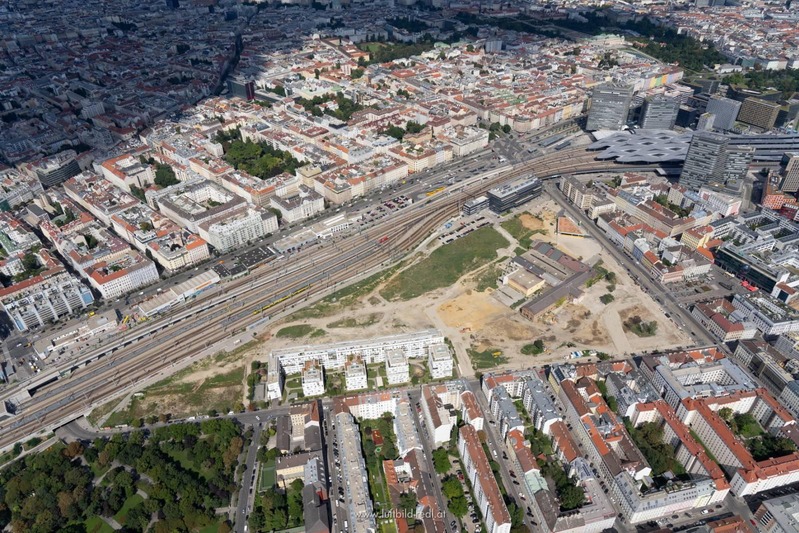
(472, 319)
(471, 310)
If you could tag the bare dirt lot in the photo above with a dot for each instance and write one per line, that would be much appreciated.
(471, 319)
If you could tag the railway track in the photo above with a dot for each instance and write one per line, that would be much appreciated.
(278, 287)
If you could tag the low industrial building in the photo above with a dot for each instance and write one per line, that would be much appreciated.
(565, 276)
(178, 294)
(75, 332)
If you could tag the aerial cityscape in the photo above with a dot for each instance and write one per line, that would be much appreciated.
(399, 266)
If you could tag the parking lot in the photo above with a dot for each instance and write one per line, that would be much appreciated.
(716, 284)
(386, 208)
(464, 226)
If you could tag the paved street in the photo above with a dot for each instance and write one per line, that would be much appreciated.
(248, 480)
(415, 396)
(496, 446)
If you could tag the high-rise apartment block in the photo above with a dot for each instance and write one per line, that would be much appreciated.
(610, 105)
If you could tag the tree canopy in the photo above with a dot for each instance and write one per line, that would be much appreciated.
(260, 159)
(185, 470)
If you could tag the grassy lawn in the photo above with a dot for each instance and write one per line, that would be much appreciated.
(182, 457)
(377, 486)
(295, 332)
(98, 470)
(130, 503)
(96, 524)
(219, 392)
(360, 322)
(446, 265)
(531, 349)
(697, 439)
(266, 476)
(344, 297)
(487, 279)
(101, 411)
(211, 528)
(293, 383)
(519, 232)
(486, 358)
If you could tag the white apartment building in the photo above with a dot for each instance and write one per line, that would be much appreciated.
(17, 188)
(334, 356)
(789, 397)
(470, 410)
(305, 204)
(439, 361)
(357, 505)
(397, 367)
(170, 246)
(440, 404)
(405, 428)
(748, 476)
(313, 381)
(14, 236)
(237, 228)
(675, 499)
(371, 351)
(126, 170)
(539, 405)
(771, 316)
(372, 406)
(788, 344)
(465, 140)
(194, 201)
(124, 274)
(37, 301)
(355, 375)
